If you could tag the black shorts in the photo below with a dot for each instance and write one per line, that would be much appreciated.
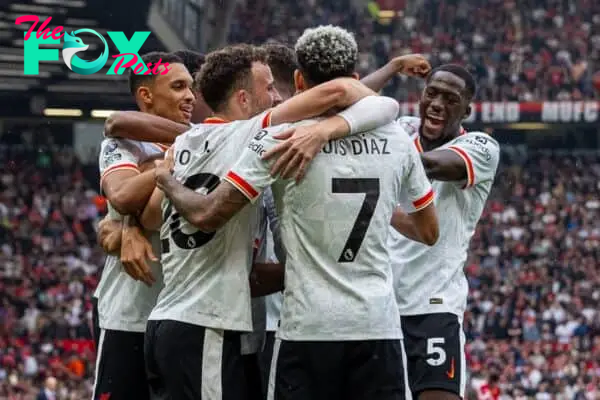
(95, 322)
(349, 370)
(192, 362)
(120, 367)
(434, 348)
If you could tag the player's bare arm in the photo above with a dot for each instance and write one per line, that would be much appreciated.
(135, 250)
(151, 217)
(338, 93)
(143, 126)
(109, 235)
(421, 226)
(413, 65)
(266, 278)
(206, 212)
(444, 165)
(128, 190)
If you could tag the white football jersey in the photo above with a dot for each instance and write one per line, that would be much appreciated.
(430, 279)
(334, 226)
(206, 274)
(124, 304)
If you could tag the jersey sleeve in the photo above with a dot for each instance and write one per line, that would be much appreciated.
(251, 174)
(416, 192)
(118, 155)
(480, 153)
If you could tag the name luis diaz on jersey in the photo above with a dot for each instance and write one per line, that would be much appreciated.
(356, 146)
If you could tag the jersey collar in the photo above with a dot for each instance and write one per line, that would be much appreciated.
(419, 147)
(214, 120)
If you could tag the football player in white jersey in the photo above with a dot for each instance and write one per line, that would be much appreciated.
(193, 334)
(431, 288)
(123, 302)
(340, 327)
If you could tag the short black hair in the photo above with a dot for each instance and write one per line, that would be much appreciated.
(461, 72)
(282, 61)
(325, 53)
(137, 80)
(191, 59)
(227, 70)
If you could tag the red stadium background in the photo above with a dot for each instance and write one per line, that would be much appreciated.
(533, 320)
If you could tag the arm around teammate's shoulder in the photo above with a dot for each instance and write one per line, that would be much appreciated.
(142, 126)
(337, 93)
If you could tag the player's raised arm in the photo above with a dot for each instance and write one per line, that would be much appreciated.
(471, 159)
(143, 126)
(413, 65)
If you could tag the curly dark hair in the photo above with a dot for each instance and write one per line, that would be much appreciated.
(137, 80)
(227, 70)
(325, 53)
(282, 60)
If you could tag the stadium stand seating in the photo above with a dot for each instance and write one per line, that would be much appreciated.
(533, 320)
(520, 51)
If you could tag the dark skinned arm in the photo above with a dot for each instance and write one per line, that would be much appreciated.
(143, 127)
(128, 191)
(413, 65)
(421, 226)
(444, 165)
(207, 213)
(266, 278)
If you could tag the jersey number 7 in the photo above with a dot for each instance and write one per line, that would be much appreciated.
(370, 187)
(197, 239)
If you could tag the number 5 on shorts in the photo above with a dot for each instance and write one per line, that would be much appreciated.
(436, 353)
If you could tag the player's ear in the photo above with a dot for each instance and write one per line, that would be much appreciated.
(144, 94)
(467, 112)
(299, 81)
(243, 98)
(356, 76)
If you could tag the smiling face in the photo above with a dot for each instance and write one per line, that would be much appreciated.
(171, 94)
(444, 104)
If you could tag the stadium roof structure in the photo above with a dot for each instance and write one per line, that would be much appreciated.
(56, 85)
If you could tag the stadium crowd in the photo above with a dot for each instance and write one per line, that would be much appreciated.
(533, 320)
(48, 269)
(531, 50)
(533, 323)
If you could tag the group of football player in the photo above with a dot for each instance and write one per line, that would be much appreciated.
(275, 231)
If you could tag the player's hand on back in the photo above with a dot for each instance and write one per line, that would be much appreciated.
(109, 235)
(136, 250)
(413, 65)
(293, 156)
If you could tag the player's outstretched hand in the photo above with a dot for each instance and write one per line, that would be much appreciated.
(109, 235)
(135, 251)
(414, 65)
(300, 145)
